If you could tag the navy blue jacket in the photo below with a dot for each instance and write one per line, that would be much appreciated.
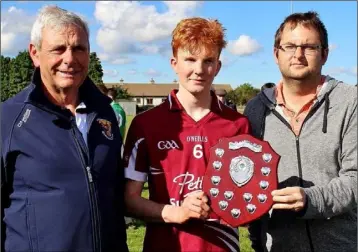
(57, 193)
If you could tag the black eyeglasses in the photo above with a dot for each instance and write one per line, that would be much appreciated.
(307, 49)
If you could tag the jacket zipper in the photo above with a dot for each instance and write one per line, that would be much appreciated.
(310, 113)
(95, 216)
(98, 215)
(301, 185)
(299, 164)
(92, 197)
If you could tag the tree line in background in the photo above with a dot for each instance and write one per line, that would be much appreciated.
(16, 74)
(242, 94)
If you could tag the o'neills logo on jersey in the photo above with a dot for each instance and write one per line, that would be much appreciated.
(203, 139)
(167, 145)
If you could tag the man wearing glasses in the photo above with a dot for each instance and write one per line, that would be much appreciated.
(311, 120)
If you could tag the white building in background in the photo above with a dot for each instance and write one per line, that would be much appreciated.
(153, 94)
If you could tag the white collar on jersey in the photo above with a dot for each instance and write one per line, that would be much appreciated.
(174, 104)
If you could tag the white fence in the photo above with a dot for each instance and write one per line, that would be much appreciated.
(128, 106)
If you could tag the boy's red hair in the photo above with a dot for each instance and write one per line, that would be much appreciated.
(195, 33)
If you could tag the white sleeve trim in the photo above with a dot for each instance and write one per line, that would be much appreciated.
(232, 249)
(130, 172)
(226, 234)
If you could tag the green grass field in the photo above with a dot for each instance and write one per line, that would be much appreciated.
(129, 119)
(136, 230)
(135, 236)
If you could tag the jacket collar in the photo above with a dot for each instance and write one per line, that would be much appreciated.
(88, 92)
(268, 95)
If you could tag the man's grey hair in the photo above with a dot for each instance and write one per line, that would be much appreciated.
(56, 18)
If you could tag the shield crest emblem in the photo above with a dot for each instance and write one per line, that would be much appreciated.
(239, 179)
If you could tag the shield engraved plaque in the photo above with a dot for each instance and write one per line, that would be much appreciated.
(239, 179)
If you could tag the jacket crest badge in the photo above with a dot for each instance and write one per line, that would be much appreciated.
(106, 128)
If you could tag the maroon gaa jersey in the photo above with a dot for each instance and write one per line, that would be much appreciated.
(170, 150)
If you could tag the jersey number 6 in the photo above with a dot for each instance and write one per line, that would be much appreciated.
(198, 151)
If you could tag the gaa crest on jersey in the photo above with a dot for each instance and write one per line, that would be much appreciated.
(167, 145)
(106, 128)
(239, 179)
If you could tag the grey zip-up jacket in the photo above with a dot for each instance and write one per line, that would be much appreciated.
(323, 160)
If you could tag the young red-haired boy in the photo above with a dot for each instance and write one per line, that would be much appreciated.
(168, 146)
